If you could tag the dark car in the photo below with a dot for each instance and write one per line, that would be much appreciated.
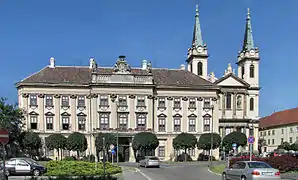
(24, 166)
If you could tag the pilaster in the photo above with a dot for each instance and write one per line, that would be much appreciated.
(25, 107)
(150, 117)
(200, 120)
(41, 116)
(132, 121)
(169, 121)
(184, 119)
(57, 122)
(94, 119)
(114, 115)
(234, 104)
(245, 105)
(224, 104)
(73, 110)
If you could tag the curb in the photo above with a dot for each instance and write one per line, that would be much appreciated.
(218, 174)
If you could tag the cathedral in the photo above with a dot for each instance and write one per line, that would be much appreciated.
(126, 100)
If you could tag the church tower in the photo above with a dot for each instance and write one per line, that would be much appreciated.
(248, 58)
(197, 56)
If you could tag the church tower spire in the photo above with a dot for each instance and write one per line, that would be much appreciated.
(197, 57)
(197, 34)
(248, 42)
(248, 58)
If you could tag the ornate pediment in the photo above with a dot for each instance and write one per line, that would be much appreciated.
(121, 66)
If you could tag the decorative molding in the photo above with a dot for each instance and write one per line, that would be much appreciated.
(49, 114)
(40, 95)
(192, 115)
(25, 95)
(81, 114)
(57, 96)
(150, 96)
(170, 98)
(185, 98)
(65, 114)
(162, 115)
(214, 99)
(122, 66)
(200, 99)
(73, 96)
(177, 115)
(131, 96)
(113, 97)
(93, 95)
(89, 96)
(33, 113)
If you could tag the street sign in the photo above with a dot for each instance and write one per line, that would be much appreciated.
(4, 136)
(251, 140)
(112, 146)
(234, 145)
(113, 151)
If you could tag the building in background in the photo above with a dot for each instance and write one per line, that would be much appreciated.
(66, 99)
(278, 128)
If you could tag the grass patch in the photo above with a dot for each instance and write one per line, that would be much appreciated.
(218, 168)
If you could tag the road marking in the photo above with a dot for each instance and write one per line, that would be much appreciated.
(143, 174)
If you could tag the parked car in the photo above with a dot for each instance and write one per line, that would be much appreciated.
(150, 161)
(251, 170)
(24, 166)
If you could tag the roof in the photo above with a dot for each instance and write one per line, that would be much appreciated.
(72, 75)
(281, 118)
(234, 76)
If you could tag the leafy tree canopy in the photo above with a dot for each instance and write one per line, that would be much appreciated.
(77, 142)
(145, 140)
(235, 137)
(31, 143)
(285, 146)
(294, 147)
(184, 141)
(11, 119)
(109, 139)
(205, 141)
(56, 141)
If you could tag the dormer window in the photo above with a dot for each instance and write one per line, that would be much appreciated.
(81, 101)
(177, 103)
(33, 100)
(206, 102)
(162, 102)
(122, 101)
(65, 101)
(141, 101)
(192, 103)
(104, 101)
(49, 100)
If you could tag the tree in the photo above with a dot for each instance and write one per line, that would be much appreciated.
(31, 143)
(109, 139)
(205, 141)
(145, 141)
(294, 147)
(11, 119)
(184, 141)
(285, 146)
(235, 137)
(56, 141)
(77, 142)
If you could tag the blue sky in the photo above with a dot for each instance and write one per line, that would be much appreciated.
(161, 31)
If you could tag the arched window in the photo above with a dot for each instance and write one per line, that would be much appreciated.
(242, 72)
(229, 101)
(200, 68)
(191, 67)
(252, 71)
(239, 102)
(251, 104)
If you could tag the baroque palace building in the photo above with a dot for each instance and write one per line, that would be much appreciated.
(128, 100)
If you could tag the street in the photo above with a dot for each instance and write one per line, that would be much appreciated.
(187, 171)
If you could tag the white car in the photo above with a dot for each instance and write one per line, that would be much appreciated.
(150, 161)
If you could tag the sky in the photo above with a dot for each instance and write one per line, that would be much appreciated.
(72, 31)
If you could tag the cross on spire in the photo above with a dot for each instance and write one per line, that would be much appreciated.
(197, 34)
(248, 42)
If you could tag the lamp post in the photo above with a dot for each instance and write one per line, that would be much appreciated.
(251, 129)
(206, 109)
(117, 132)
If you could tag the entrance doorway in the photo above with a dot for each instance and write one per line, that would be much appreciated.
(124, 149)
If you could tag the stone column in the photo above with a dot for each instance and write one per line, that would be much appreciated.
(169, 120)
(73, 112)
(234, 104)
(184, 119)
(41, 116)
(131, 152)
(200, 121)
(94, 119)
(150, 117)
(57, 122)
(245, 106)
(114, 115)
(25, 107)
(89, 115)
(224, 104)
(132, 113)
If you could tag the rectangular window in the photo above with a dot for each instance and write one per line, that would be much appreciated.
(281, 140)
(65, 122)
(49, 101)
(177, 103)
(268, 142)
(162, 102)
(229, 101)
(104, 121)
(206, 123)
(81, 123)
(192, 103)
(282, 131)
(291, 140)
(273, 132)
(141, 121)
(273, 142)
(81, 101)
(162, 124)
(177, 124)
(264, 133)
(64, 101)
(123, 121)
(104, 100)
(141, 101)
(269, 132)
(33, 122)
(206, 102)
(261, 134)
(291, 130)
(49, 121)
(192, 124)
(122, 101)
(33, 100)
(161, 151)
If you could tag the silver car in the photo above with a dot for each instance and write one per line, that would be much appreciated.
(150, 161)
(251, 170)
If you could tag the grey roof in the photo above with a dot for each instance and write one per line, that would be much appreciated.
(71, 75)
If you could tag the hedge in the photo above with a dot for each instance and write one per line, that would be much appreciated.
(283, 163)
(79, 168)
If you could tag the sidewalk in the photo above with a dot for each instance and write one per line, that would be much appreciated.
(129, 173)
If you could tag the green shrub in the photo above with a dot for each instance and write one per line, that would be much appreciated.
(89, 158)
(78, 178)
(79, 168)
(69, 158)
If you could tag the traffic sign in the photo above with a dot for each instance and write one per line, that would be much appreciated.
(113, 151)
(112, 146)
(251, 140)
(234, 145)
(4, 136)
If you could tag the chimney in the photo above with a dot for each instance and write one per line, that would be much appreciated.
(52, 62)
(144, 64)
(182, 67)
(91, 63)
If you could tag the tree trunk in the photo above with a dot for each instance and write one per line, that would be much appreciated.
(185, 156)
(78, 154)
(61, 154)
(58, 154)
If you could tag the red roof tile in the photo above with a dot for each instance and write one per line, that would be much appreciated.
(281, 118)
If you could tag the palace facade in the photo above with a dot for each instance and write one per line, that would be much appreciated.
(128, 100)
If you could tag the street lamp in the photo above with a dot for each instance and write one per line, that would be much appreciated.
(251, 129)
(117, 131)
(206, 109)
